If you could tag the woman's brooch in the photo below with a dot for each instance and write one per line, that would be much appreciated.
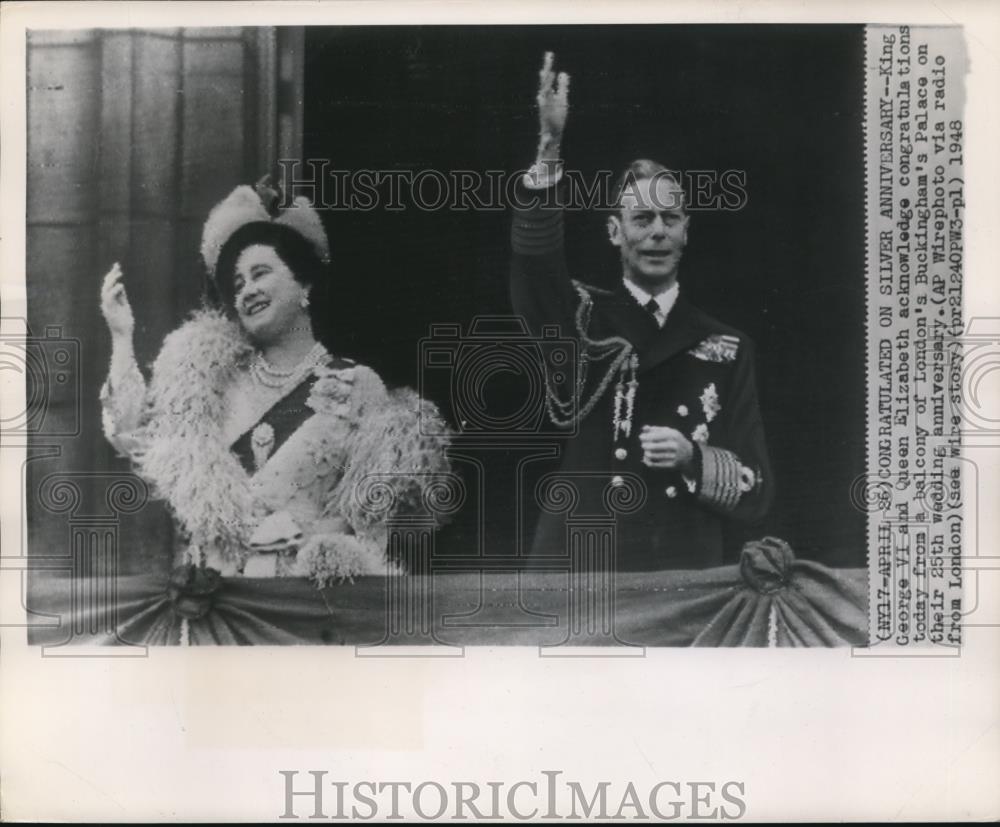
(262, 443)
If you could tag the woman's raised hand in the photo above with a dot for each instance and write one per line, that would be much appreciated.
(114, 304)
(553, 103)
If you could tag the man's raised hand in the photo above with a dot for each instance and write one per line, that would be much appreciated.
(553, 107)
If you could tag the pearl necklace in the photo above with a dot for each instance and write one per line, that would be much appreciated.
(270, 377)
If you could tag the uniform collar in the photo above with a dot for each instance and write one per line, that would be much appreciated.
(665, 300)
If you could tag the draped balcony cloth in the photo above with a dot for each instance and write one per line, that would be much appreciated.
(769, 599)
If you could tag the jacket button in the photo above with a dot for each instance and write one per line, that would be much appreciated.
(671, 491)
(620, 453)
(617, 481)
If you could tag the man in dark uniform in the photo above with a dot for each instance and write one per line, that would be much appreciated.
(663, 400)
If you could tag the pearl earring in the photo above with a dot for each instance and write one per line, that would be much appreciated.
(304, 302)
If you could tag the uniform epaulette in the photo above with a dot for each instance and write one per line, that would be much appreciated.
(720, 347)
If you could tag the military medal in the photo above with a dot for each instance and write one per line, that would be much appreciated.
(625, 398)
(633, 386)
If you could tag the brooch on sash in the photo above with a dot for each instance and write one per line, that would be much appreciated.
(261, 442)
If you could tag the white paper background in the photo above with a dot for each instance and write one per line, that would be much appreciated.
(201, 734)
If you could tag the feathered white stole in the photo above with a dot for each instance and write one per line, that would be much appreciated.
(395, 446)
(394, 456)
(186, 458)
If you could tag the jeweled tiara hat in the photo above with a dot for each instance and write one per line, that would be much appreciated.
(245, 205)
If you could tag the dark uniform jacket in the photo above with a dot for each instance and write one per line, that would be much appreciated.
(694, 374)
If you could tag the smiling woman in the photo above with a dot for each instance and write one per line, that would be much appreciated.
(262, 442)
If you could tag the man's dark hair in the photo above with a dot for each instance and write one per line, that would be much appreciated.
(294, 250)
(639, 170)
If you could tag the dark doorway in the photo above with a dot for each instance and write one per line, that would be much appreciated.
(782, 104)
